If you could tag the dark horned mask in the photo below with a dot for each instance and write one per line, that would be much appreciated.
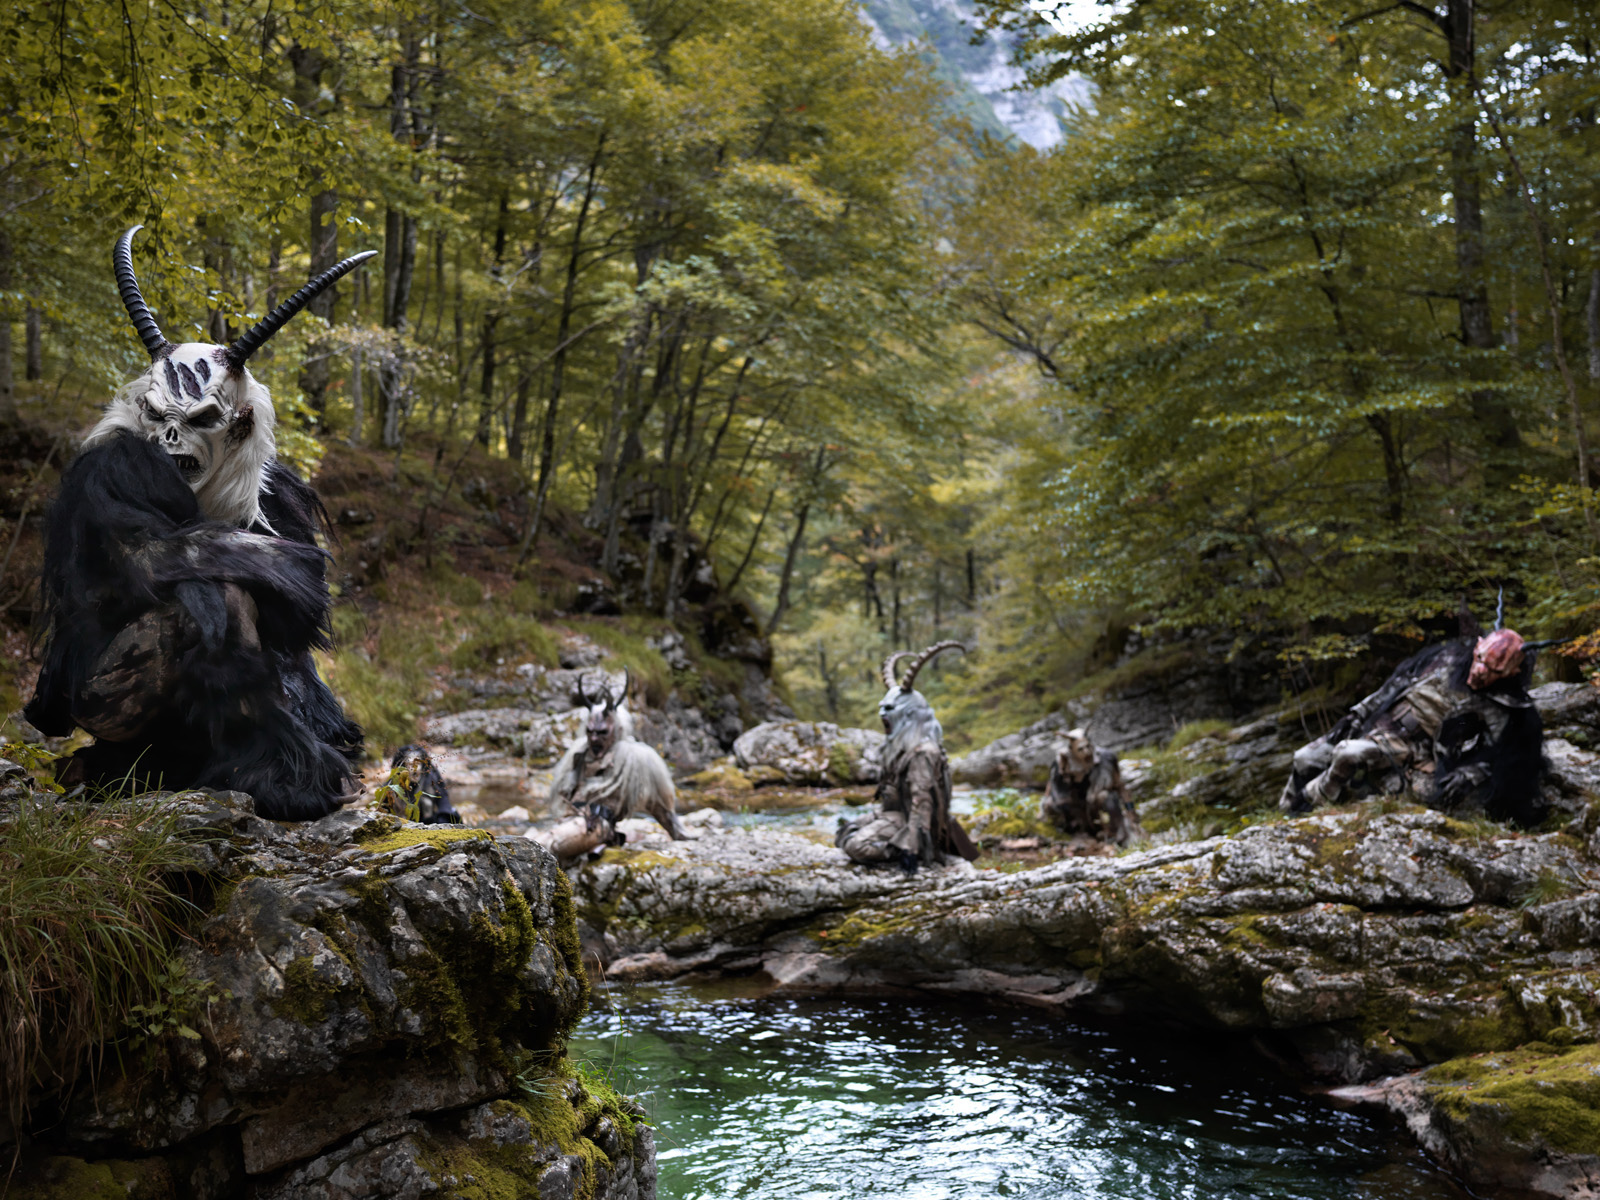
(604, 723)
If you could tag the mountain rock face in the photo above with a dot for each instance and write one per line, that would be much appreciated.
(379, 1008)
(982, 77)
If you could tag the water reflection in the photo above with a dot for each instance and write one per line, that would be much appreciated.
(780, 1097)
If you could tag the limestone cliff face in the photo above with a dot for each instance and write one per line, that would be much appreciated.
(380, 1010)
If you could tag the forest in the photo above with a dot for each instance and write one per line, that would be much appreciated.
(1294, 339)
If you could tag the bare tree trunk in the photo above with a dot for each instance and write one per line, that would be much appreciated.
(558, 362)
(317, 369)
(491, 322)
(830, 682)
(1591, 315)
(399, 248)
(790, 557)
(32, 319)
(8, 395)
(358, 413)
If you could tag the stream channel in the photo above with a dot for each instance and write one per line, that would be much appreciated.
(755, 1094)
(785, 1097)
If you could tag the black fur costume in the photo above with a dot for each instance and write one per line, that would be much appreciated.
(242, 706)
(1471, 765)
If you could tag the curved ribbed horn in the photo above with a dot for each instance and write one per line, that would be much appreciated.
(889, 665)
(926, 657)
(132, 298)
(252, 339)
(627, 683)
(583, 693)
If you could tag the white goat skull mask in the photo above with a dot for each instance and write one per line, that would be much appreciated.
(198, 411)
(199, 402)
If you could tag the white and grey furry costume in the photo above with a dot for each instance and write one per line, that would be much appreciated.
(605, 777)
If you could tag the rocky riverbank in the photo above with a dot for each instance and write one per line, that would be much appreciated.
(368, 1009)
(1444, 967)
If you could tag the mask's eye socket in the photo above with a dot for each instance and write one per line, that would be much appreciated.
(208, 418)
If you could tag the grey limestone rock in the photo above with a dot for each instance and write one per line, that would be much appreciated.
(363, 980)
(1021, 759)
(806, 753)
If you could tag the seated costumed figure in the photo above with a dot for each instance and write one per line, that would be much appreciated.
(913, 824)
(1454, 724)
(607, 777)
(1086, 794)
(183, 589)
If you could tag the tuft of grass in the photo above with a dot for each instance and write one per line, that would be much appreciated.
(1188, 735)
(624, 642)
(87, 924)
(501, 635)
(1549, 887)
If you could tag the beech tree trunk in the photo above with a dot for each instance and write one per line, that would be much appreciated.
(31, 323)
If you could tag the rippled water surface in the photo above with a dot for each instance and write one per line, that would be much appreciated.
(781, 1097)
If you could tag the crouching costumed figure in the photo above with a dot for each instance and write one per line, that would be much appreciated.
(1453, 724)
(183, 589)
(608, 776)
(913, 824)
(1085, 794)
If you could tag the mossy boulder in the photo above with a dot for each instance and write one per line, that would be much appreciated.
(366, 981)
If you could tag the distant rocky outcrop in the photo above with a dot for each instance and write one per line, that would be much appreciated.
(809, 754)
(380, 1011)
(532, 712)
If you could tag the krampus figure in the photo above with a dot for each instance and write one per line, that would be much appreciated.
(415, 790)
(1454, 724)
(1086, 794)
(183, 588)
(913, 824)
(606, 777)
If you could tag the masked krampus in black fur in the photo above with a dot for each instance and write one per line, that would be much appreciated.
(183, 589)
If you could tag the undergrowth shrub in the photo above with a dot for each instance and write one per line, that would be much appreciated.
(87, 926)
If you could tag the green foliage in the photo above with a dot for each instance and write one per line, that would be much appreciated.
(177, 1005)
(501, 637)
(1274, 398)
(87, 922)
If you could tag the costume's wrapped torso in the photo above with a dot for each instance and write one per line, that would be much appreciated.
(913, 817)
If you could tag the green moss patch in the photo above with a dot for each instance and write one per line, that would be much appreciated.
(441, 837)
(62, 1178)
(1538, 1093)
(306, 995)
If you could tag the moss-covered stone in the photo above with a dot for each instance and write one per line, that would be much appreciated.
(441, 837)
(720, 776)
(306, 995)
(64, 1178)
(1536, 1094)
(843, 759)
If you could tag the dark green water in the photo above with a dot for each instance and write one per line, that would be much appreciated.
(765, 1096)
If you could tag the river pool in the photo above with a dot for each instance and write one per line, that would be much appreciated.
(759, 1095)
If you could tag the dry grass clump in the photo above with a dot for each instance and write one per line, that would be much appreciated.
(87, 924)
